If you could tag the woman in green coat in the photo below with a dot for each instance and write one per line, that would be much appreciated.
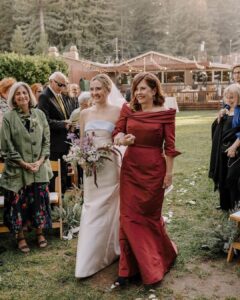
(25, 146)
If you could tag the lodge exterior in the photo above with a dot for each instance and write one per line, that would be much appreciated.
(195, 84)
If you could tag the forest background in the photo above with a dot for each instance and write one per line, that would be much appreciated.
(99, 27)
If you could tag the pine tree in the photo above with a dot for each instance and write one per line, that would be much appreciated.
(18, 42)
(7, 24)
(43, 45)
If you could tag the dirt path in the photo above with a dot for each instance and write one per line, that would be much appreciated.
(206, 280)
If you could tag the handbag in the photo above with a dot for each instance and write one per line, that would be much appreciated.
(233, 173)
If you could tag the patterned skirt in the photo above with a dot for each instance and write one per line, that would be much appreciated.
(30, 207)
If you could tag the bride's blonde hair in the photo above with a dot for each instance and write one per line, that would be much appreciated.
(105, 81)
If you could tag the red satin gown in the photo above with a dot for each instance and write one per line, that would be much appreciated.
(144, 243)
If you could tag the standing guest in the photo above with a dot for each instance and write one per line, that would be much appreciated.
(98, 244)
(5, 85)
(224, 170)
(57, 110)
(69, 98)
(74, 90)
(37, 89)
(25, 144)
(236, 73)
(148, 129)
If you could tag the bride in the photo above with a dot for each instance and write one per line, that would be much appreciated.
(98, 244)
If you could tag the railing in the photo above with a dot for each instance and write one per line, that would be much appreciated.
(196, 96)
(184, 94)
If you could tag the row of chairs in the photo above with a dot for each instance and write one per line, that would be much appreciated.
(55, 197)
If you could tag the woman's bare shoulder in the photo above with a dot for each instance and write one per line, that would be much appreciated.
(115, 108)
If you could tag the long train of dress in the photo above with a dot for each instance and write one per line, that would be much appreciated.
(98, 241)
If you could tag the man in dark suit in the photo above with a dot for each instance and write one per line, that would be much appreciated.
(57, 110)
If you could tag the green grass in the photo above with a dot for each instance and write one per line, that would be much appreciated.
(49, 274)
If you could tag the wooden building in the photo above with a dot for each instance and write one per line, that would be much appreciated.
(185, 79)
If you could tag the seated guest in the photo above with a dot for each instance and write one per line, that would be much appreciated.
(84, 101)
(37, 89)
(74, 90)
(25, 141)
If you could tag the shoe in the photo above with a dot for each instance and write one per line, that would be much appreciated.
(23, 248)
(41, 243)
(119, 283)
(135, 279)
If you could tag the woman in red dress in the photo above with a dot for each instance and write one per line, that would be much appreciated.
(148, 129)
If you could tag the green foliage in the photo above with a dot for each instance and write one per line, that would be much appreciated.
(71, 210)
(28, 68)
(225, 232)
(18, 42)
(7, 24)
(168, 26)
(49, 273)
(42, 45)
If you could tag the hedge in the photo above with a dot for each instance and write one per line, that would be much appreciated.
(30, 69)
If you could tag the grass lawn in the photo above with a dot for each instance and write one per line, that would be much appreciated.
(199, 273)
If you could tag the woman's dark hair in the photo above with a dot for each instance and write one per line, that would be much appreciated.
(153, 82)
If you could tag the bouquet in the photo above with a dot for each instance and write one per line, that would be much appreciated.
(87, 155)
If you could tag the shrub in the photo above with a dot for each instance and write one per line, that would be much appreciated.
(30, 69)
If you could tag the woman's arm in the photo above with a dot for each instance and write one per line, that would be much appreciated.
(169, 170)
(231, 151)
(170, 152)
(8, 151)
(119, 134)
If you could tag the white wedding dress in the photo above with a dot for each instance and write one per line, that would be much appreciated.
(98, 241)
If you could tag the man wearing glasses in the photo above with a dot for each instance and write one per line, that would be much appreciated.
(57, 110)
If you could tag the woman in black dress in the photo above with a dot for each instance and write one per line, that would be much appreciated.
(224, 162)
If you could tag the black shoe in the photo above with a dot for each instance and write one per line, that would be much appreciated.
(135, 278)
(119, 283)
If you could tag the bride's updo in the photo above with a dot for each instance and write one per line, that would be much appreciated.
(105, 81)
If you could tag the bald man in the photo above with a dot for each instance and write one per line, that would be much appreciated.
(57, 110)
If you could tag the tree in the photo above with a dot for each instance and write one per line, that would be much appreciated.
(18, 42)
(7, 24)
(43, 45)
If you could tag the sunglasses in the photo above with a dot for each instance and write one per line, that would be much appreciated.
(60, 84)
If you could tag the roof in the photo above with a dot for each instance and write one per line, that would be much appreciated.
(149, 61)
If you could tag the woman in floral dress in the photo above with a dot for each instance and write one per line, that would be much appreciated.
(25, 142)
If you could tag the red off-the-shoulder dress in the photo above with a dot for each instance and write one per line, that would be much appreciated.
(145, 245)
